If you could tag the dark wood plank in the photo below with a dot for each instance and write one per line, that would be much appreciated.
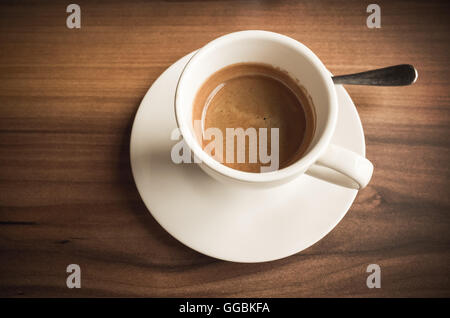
(67, 101)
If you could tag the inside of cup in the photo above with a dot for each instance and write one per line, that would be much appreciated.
(279, 51)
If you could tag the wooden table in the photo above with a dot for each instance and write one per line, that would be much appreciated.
(67, 101)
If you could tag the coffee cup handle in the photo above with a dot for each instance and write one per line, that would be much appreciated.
(348, 163)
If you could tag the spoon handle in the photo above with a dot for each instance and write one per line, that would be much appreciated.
(398, 75)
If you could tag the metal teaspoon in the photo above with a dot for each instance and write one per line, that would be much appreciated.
(398, 75)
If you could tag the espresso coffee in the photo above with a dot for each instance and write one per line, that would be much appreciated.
(253, 95)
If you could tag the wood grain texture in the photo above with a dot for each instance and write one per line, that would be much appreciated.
(67, 102)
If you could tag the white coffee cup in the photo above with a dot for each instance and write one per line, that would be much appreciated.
(303, 65)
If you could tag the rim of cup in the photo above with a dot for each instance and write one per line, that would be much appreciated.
(300, 165)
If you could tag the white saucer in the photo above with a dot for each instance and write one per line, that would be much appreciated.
(217, 219)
